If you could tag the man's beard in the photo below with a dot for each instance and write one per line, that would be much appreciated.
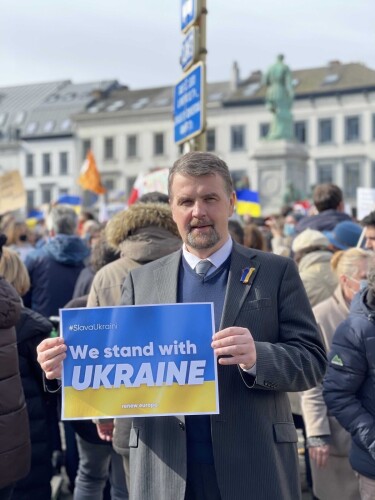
(202, 241)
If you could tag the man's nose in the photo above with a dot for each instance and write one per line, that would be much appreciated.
(198, 209)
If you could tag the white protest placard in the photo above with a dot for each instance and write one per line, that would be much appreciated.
(365, 201)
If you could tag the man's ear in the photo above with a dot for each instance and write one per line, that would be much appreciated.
(232, 201)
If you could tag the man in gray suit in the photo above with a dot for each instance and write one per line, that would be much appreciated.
(266, 343)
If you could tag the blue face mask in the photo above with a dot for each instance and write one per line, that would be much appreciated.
(289, 229)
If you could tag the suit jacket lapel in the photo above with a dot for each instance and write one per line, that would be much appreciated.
(237, 291)
(166, 279)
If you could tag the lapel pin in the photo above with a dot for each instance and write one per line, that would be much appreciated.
(246, 274)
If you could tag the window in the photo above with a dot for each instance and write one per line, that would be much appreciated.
(47, 193)
(325, 173)
(86, 146)
(30, 199)
(29, 165)
(159, 143)
(325, 131)
(373, 127)
(63, 191)
(109, 184)
(131, 146)
(49, 126)
(352, 131)
(46, 164)
(263, 130)
(300, 132)
(352, 179)
(237, 137)
(63, 163)
(240, 179)
(211, 139)
(108, 148)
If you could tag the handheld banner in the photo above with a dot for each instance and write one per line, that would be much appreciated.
(133, 361)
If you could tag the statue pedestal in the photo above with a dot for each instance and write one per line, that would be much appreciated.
(279, 164)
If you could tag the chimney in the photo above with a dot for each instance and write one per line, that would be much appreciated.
(256, 75)
(235, 77)
(334, 64)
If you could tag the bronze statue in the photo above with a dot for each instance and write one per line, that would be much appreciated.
(279, 100)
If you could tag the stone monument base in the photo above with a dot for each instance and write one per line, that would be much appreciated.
(279, 165)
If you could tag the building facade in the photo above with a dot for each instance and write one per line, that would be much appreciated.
(131, 131)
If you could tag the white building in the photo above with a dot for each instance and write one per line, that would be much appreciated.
(334, 115)
(37, 135)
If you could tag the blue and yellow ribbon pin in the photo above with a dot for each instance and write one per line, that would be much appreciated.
(246, 275)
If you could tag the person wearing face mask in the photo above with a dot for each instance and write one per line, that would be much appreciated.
(16, 232)
(328, 442)
(283, 232)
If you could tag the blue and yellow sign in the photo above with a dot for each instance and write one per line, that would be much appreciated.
(139, 361)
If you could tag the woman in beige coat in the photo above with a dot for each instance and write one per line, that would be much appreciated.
(328, 442)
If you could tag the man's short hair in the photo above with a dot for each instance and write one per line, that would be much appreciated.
(62, 219)
(153, 197)
(197, 164)
(327, 197)
(369, 220)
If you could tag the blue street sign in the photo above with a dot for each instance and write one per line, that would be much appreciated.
(190, 48)
(188, 105)
(189, 13)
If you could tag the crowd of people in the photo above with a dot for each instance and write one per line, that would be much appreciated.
(311, 296)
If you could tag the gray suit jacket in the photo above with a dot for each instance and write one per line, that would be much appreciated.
(254, 438)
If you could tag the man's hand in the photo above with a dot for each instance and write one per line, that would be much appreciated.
(237, 344)
(320, 455)
(51, 353)
(105, 430)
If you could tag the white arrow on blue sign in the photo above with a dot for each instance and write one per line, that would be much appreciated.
(189, 112)
(190, 10)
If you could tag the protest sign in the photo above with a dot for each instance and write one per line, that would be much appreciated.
(12, 192)
(139, 361)
(365, 202)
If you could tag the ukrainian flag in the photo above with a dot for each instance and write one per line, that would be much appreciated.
(68, 199)
(248, 203)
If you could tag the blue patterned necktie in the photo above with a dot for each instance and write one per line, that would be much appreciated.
(202, 267)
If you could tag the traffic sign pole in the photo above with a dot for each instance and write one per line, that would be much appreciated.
(193, 14)
(200, 142)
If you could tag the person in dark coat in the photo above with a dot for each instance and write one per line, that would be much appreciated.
(328, 201)
(54, 268)
(14, 425)
(348, 387)
(31, 329)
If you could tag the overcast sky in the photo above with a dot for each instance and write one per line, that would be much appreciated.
(138, 42)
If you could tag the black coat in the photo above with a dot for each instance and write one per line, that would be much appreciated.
(31, 329)
(14, 425)
(348, 387)
(323, 221)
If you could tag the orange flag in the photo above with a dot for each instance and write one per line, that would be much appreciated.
(89, 177)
